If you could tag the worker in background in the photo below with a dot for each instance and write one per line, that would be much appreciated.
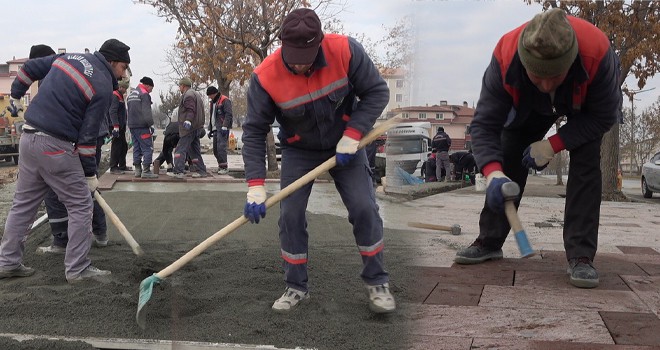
(441, 142)
(220, 122)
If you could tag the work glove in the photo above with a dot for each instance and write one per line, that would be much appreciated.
(187, 125)
(15, 106)
(494, 197)
(538, 155)
(115, 132)
(92, 183)
(347, 147)
(224, 132)
(255, 206)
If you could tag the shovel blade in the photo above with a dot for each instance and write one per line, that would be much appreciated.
(146, 289)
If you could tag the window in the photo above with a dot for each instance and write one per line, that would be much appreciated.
(467, 129)
(399, 97)
(422, 116)
(439, 116)
(399, 83)
(405, 116)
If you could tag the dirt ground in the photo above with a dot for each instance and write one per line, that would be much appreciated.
(222, 296)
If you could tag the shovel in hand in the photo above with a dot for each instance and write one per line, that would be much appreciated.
(146, 286)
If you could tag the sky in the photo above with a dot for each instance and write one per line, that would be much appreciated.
(455, 39)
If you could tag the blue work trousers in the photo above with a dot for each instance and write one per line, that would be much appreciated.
(354, 184)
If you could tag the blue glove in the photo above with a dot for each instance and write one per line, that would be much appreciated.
(494, 197)
(255, 206)
(115, 132)
(224, 132)
(346, 149)
(538, 155)
(187, 125)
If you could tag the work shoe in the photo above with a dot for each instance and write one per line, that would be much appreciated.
(223, 171)
(147, 174)
(179, 176)
(116, 171)
(51, 249)
(20, 271)
(89, 272)
(100, 241)
(381, 300)
(138, 171)
(582, 273)
(290, 299)
(125, 168)
(476, 254)
(170, 170)
(198, 175)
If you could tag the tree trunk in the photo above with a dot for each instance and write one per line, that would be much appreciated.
(609, 163)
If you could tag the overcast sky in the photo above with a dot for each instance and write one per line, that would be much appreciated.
(454, 42)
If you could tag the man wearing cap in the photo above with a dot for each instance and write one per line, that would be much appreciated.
(117, 124)
(553, 66)
(58, 149)
(140, 122)
(441, 143)
(191, 119)
(311, 86)
(219, 124)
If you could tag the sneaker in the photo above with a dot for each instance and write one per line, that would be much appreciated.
(476, 254)
(20, 271)
(51, 249)
(100, 242)
(381, 300)
(290, 299)
(179, 176)
(223, 171)
(147, 174)
(198, 175)
(125, 168)
(116, 171)
(89, 272)
(582, 273)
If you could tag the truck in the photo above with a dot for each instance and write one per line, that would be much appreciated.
(407, 145)
(11, 128)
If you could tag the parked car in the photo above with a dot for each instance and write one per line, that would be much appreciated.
(651, 176)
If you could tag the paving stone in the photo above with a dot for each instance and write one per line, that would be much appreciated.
(551, 279)
(619, 224)
(455, 294)
(421, 290)
(637, 250)
(508, 323)
(633, 328)
(536, 263)
(517, 344)
(465, 274)
(621, 264)
(647, 288)
(562, 299)
(424, 342)
(651, 269)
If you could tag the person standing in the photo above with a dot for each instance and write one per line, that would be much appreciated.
(58, 149)
(555, 65)
(117, 120)
(311, 86)
(191, 120)
(220, 122)
(441, 143)
(140, 122)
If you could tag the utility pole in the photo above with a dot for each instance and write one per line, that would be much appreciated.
(633, 142)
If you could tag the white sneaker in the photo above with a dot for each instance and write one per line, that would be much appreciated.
(381, 300)
(290, 299)
(223, 171)
(51, 249)
(89, 272)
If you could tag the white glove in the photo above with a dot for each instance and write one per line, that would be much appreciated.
(92, 183)
(254, 206)
(16, 102)
(187, 125)
(538, 155)
(346, 149)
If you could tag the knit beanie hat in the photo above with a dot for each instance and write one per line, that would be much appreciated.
(211, 90)
(115, 50)
(185, 81)
(301, 36)
(548, 46)
(40, 50)
(147, 81)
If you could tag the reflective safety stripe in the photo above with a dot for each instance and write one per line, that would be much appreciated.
(313, 95)
(24, 78)
(295, 259)
(77, 77)
(87, 151)
(372, 249)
